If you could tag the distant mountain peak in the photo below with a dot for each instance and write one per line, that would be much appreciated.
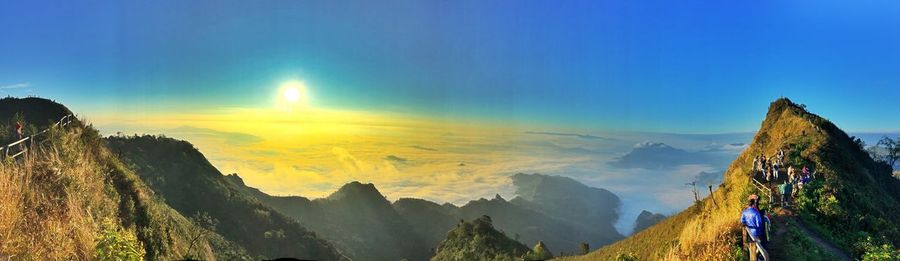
(357, 190)
(646, 219)
(494, 245)
(652, 145)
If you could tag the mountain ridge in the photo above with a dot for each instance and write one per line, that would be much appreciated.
(853, 198)
(184, 177)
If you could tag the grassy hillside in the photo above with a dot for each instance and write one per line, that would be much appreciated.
(478, 240)
(190, 184)
(70, 198)
(854, 200)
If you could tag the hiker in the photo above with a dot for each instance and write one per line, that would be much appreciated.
(763, 166)
(785, 190)
(775, 167)
(781, 155)
(753, 221)
(769, 175)
(805, 179)
(755, 164)
(19, 131)
(792, 173)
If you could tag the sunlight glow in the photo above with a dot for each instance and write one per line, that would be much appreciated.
(292, 95)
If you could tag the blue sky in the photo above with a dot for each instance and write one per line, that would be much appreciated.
(686, 66)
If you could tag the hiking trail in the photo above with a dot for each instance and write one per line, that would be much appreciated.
(786, 217)
(782, 218)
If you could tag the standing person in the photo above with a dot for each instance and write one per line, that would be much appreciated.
(775, 167)
(785, 190)
(755, 164)
(761, 166)
(803, 179)
(781, 155)
(19, 131)
(792, 173)
(752, 220)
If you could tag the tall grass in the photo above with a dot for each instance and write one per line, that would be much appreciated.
(51, 201)
(56, 203)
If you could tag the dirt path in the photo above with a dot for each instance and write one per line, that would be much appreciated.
(785, 217)
(819, 241)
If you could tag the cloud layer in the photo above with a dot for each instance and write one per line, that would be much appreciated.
(313, 155)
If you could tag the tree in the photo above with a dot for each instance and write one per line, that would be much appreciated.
(585, 248)
(891, 148)
(540, 252)
(203, 225)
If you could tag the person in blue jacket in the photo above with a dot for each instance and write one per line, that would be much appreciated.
(752, 219)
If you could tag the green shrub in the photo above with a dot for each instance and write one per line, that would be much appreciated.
(739, 254)
(878, 251)
(115, 243)
(626, 257)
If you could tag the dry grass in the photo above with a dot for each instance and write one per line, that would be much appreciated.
(51, 202)
(54, 201)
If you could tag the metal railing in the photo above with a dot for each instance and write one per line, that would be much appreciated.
(65, 120)
(760, 250)
(763, 188)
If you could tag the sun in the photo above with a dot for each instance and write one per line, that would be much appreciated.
(293, 92)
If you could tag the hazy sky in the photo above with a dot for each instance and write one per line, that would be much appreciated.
(684, 66)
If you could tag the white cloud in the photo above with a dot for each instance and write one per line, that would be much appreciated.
(15, 86)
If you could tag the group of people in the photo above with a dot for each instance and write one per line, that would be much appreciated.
(769, 167)
(793, 183)
(755, 219)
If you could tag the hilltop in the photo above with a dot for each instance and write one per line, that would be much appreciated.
(478, 240)
(590, 209)
(356, 217)
(853, 201)
(647, 219)
(69, 197)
